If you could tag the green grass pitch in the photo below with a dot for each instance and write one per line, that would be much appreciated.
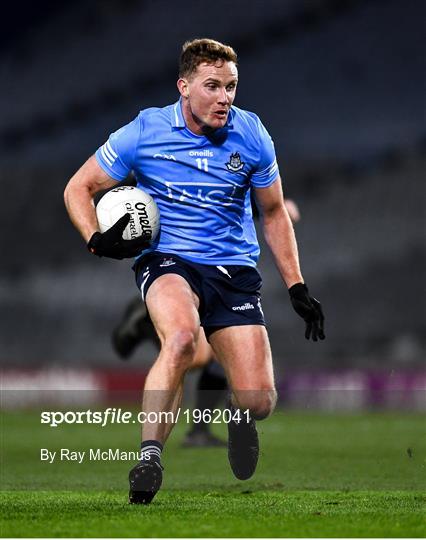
(319, 475)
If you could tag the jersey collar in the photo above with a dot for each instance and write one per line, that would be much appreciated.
(178, 121)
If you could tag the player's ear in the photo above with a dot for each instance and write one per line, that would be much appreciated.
(182, 85)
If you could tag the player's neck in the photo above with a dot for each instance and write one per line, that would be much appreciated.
(192, 122)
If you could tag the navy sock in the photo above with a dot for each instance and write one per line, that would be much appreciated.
(151, 451)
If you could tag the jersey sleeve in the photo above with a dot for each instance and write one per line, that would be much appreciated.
(266, 171)
(117, 155)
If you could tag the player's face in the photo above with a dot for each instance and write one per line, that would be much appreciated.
(208, 95)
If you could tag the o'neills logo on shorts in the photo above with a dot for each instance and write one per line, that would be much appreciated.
(245, 306)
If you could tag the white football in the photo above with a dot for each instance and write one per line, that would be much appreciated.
(144, 214)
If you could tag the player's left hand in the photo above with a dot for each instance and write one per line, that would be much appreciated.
(309, 309)
(111, 243)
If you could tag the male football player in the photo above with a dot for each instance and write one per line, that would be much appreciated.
(199, 158)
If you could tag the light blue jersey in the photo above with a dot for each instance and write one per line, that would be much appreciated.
(201, 187)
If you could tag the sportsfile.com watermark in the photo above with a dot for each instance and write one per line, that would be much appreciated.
(113, 415)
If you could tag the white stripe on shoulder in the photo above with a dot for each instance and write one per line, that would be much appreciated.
(107, 158)
(111, 151)
(274, 167)
(108, 153)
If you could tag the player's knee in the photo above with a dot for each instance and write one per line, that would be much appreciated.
(264, 404)
(181, 346)
(260, 403)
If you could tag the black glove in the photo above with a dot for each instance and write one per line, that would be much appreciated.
(112, 244)
(309, 309)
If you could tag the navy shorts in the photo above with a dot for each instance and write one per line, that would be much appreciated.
(229, 295)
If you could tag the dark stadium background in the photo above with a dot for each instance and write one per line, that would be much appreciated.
(340, 84)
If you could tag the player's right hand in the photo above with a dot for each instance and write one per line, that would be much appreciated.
(309, 309)
(112, 244)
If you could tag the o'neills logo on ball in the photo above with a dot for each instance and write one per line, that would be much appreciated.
(139, 214)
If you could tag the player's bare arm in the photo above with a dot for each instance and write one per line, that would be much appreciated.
(278, 231)
(279, 235)
(86, 182)
(79, 193)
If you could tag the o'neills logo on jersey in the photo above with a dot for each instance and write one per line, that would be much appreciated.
(245, 306)
(201, 153)
(139, 223)
(235, 164)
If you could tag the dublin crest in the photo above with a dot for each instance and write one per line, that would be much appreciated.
(235, 164)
